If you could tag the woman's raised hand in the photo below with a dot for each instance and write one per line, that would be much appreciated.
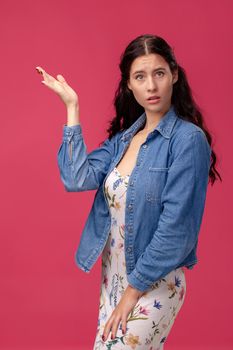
(60, 87)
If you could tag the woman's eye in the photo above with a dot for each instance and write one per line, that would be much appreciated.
(161, 73)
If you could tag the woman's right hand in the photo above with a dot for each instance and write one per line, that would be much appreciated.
(60, 87)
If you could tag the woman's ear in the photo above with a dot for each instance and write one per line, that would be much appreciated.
(175, 77)
(128, 85)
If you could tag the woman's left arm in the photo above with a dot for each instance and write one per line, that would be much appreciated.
(183, 201)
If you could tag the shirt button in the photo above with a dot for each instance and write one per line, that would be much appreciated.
(130, 206)
(129, 249)
(130, 229)
(144, 146)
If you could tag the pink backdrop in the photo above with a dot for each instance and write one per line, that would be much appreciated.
(46, 301)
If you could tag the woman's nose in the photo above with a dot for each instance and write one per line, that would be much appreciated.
(151, 84)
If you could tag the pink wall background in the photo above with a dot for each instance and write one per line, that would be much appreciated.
(46, 301)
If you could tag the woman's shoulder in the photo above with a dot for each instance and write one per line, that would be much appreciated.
(187, 135)
(185, 127)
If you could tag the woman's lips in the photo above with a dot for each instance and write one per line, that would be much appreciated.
(153, 100)
(152, 97)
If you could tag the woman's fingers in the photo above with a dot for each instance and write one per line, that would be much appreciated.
(47, 77)
(108, 327)
(42, 72)
(39, 70)
(50, 81)
(61, 78)
(123, 325)
(59, 86)
(115, 326)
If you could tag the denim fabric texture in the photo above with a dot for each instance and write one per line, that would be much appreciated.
(165, 197)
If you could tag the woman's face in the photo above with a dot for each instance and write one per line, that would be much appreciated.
(151, 75)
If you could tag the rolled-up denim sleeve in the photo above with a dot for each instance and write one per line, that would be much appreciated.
(79, 170)
(183, 200)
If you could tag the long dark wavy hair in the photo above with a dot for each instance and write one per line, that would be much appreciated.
(128, 109)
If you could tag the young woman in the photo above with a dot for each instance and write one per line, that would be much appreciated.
(151, 176)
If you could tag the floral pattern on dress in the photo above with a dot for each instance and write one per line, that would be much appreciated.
(150, 321)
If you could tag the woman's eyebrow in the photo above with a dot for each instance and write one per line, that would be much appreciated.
(142, 71)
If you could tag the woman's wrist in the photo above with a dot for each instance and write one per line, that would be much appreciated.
(138, 292)
(72, 115)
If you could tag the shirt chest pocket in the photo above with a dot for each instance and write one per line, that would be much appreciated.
(155, 182)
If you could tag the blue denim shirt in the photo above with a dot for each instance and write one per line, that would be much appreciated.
(165, 196)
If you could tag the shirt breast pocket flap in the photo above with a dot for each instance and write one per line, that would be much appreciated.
(155, 182)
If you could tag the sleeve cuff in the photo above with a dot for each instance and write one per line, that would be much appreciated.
(70, 131)
(137, 281)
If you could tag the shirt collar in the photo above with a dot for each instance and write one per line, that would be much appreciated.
(164, 126)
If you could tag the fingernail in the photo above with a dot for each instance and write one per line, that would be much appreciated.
(123, 331)
(112, 336)
(103, 337)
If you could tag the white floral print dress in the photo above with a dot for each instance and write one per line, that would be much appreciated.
(151, 320)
